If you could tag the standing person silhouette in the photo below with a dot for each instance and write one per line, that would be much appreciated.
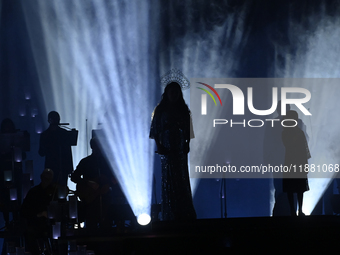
(296, 155)
(56, 148)
(273, 154)
(170, 128)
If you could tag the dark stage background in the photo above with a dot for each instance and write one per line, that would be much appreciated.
(201, 38)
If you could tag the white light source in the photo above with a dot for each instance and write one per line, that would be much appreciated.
(56, 229)
(13, 194)
(8, 175)
(143, 219)
(73, 207)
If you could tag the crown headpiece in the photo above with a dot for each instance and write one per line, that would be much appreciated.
(175, 75)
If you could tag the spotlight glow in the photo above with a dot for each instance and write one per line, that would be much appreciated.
(144, 219)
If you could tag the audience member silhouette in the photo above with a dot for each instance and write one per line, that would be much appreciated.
(171, 128)
(95, 181)
(55, 146)
(296, 155)
(34, 211)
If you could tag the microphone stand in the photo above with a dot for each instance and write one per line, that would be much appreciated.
(223, 197)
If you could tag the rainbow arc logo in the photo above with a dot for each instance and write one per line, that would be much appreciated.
(204, 97)
(209, 93)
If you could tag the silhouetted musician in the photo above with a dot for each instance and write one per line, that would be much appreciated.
(55, 146)
(95, 180)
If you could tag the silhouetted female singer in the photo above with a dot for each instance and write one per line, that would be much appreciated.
(170, 128)
(296, 157)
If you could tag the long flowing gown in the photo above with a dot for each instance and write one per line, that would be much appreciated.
(171, 130)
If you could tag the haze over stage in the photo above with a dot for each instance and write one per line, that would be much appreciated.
(99, 63)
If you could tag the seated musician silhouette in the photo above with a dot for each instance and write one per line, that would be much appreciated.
(94, 180)
(34, 211)
(55, 146)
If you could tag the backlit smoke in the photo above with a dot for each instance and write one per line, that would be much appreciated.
(95, 61)
(316, 55)
(100, 62)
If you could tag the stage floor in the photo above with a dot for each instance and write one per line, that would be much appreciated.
(269, 235)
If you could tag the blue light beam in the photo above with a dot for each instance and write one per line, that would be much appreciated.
(95, 63)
